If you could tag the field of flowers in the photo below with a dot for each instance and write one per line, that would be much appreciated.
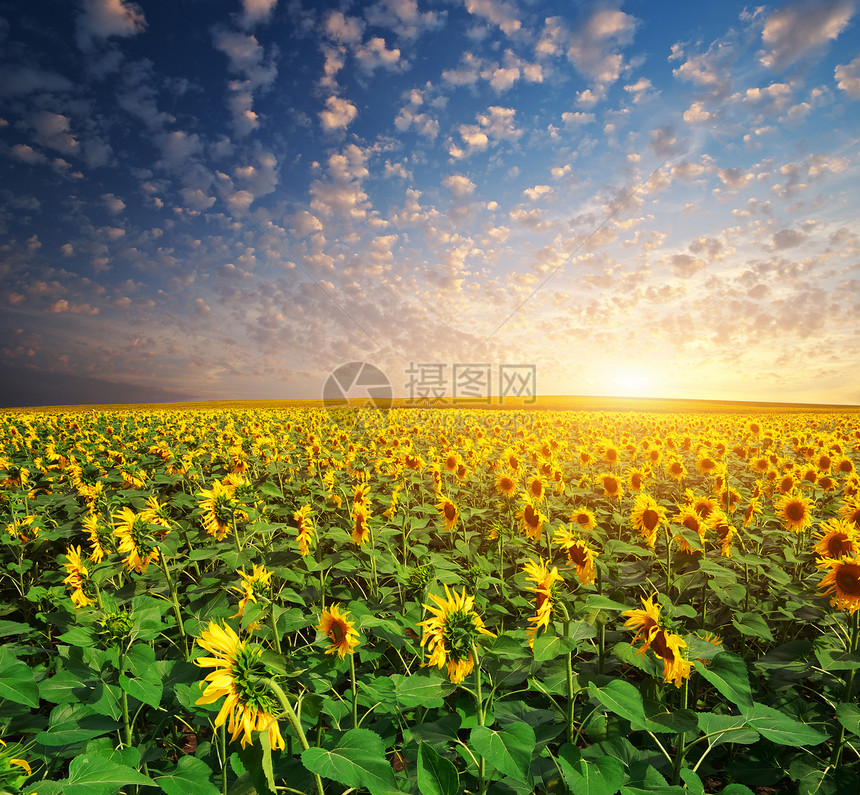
(432, 601)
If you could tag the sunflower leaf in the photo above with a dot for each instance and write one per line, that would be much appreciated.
(436, 775)
(358, 760)
(728, 674)
(508, 749)
(780, 728)
(602, 776)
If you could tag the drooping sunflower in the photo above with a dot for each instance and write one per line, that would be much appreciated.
(360, 524)
(579, 553)
(531, 519)
(688, 518)
(646, 622)
(835, 539)
(506, 486)
(259, 581)
(77, 579)
(305, 528)
(636, 479)
(450, 513)
(584, 519)
(544, 578)
(611, 485)
(675, 469)
(239, 675)
(667, 647)
(725, 531)
(451, 632)
(99, 537)
(156, 513)
(647, 517)
(341, 632)
(217, 508)
(135, 540)
(850, 511)
(794, 510)
(843, 582)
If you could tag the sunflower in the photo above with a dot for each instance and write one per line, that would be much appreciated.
(135, 540)
(647, 517)
(843, 581)
(667, 647)
(450, 513)
(786, 483)
(536, 489)
(705, 464)
(531, 519)
(636, 479)
(258, 581)
(505, 485)
(77, 579)
(544, 579)
(240, 676)
(725, 530)
(217, 509)
(341, 632)
(305, 525)
(676, 470)
(844, 466)
(611, 485)
(688, 518)
(646, 622)
(753, 510)
(850, 511)
(703, 506)
(451, 632)
(360, 527)
(452, 461)
(579, 554)
(835, 539)
(584, 519)
(157, 514)
(793, 510)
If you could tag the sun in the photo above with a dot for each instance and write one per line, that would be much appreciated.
(631, 382)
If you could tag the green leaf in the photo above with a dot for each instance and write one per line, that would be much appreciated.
(602, 776)
(71, 723)
(849, 716)
(358, 760)
(736, 789)
(550, 645)
(436, 775)
(421, 689)
(728, 674)
(597, 602)
(147, 691)
(93, 775)
(682, 720)
(16, 680)
(62, 688)
(622, 698)
(781, 729)
(693, 782)
(753, 625)
(726, 729)
(508, 749)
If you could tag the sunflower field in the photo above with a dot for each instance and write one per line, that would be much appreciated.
(431, 601)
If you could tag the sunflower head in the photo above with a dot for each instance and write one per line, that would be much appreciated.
(835, 539)
(842, 581)
(794, 509)
(340, 631)
(506, 486)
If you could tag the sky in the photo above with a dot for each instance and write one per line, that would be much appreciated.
(206, 200)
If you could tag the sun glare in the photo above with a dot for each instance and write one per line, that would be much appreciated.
(631, 383)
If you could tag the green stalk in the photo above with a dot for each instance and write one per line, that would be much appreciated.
(224, 758)
(479, 705)
(569, 676)
(354, 684)
(668, 563)
(274, 624)
(176, 611)
(846, 693)
(680, 750)
(295, 723)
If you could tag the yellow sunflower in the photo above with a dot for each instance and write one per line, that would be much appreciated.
(668, 648)
(531, 519)
(579, 553)
(647, 517)
(611, 485)
(77, 579)
(636, 478)
(676, 470)
(584, 519)
(99, 537)
(239, 674)
(305, 525)
(135, 540)
(451, 632)
(646, 622)
(217, 508)
(341, 632)
(843, 581)
(506, 486)
(536, 489)
(793, 510)
(257, 582)
(850, 511)
(544, 579)
(450, 513)
(835, 539)
(360, 526)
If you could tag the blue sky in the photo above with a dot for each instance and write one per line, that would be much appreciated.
(228, 200)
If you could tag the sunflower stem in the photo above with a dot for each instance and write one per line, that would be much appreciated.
(668, 564)
(126, 723)
(224, 758)
(176, 611)
(274, 624)
(846, 693)
(354, 683)
(680, 750)
(295, 723)
(479, 706)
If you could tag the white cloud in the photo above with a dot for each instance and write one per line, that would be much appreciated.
(799, 29)
(403, 17)
(54, 130)
(848, 78)
(256, 11)
(461, 187)
(114, 204)
(494, 125)
(466, 74)
(375, 54)
(593, 47)
(697, 113)
(339, 113)
(101, 19)
(498, 12)
(343, 29)
(19, 80)
(26, 154)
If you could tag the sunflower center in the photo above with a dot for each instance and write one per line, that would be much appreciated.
(450, 511)
(848, 579)
(794, 511)
(691, 523)
(838, 545)
(578, 555)
(650, 518)
(458, 634)
(661, 647)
